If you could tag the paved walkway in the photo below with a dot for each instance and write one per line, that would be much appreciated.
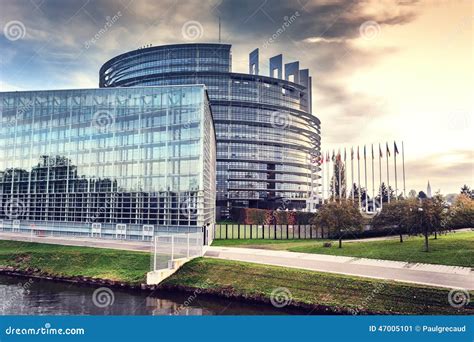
(427, 274)
(127, 245)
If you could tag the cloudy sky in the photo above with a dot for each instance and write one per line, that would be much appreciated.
(382, 70)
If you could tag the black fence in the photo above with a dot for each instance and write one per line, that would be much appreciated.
(290, 232)
(265, 231)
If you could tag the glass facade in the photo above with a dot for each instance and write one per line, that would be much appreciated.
(266, 134)
(120, 156)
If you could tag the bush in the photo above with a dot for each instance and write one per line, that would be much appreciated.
(265, 216)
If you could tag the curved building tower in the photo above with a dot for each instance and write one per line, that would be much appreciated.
(267, 137)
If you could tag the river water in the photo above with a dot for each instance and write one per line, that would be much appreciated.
(28, 296)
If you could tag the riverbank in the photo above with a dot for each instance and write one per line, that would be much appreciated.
(308, 290)
(454, 248)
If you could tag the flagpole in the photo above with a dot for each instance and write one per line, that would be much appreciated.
(339, 162)
(352, 174)
(387, 154)
(321, 165)
(345, 174)
(328, 162)
(373, 181)
(380, 176)
(328, 183)
(403, 169)
(365, 177)
(333, 176)
(358, 178)
(395, 165)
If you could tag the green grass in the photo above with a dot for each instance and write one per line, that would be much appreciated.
(313, 288)
(451, 249)
(118, 265)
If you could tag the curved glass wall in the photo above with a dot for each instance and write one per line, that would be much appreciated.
(266, 138)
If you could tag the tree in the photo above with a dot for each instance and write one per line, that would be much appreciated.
(412, 194)
(340, 218)
(426, 218)
(465, 190)
(395, 214)
(355, 191)
(338, 164)
(461, 213)
(386, 192)
(422, 195)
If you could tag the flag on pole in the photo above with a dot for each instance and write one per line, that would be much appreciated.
(358, 156)
(372, 151)
(327, 156)
(333, 155)
(344, 154)
(380, 151)
(365, 154)
(352, 153)
(388, 150)
(395, 149)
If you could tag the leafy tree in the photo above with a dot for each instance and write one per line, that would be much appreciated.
(395, 214)
(335, 180)
(340, 218)
(465, 190)
(422, 195)
(461, 213)
(355, 191)
(426, 218)
(386, 192)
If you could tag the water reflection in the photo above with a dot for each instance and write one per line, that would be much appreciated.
(23, 296)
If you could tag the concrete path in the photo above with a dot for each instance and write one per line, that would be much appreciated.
(427, 274)
(144, 246)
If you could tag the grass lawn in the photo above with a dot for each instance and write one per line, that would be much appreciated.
(126, 266)
(451, 249)
(336, 291)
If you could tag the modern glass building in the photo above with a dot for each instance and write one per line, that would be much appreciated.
(267, 137)
(124, 162)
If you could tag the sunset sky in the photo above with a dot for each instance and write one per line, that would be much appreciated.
(382, 70)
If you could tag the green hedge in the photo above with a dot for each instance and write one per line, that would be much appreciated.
(264, 216)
